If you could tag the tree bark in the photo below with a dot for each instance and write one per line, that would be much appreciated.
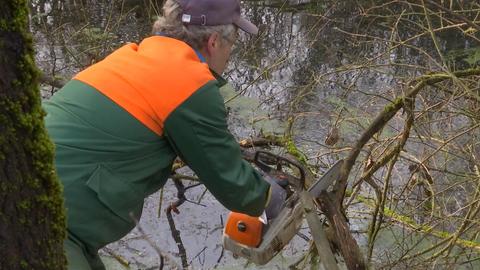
(32, 220)
(343, 238)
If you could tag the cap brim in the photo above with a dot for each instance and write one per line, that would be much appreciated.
(246, 26)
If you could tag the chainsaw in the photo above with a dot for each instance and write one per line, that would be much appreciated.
(259, 240)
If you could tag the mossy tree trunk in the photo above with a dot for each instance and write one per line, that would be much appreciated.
(32, 220)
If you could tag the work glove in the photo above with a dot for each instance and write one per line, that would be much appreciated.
(277, 197)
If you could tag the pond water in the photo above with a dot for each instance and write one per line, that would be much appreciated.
(322, 63)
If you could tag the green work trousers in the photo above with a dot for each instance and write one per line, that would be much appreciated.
(79, 258)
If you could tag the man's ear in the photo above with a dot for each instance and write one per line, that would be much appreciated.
(213, 43)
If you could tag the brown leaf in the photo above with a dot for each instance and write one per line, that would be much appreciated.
(333, 136)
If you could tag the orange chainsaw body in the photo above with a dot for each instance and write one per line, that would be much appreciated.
(248, 237)
(244, 229)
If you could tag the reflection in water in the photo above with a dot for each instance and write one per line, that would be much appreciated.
(330, 66)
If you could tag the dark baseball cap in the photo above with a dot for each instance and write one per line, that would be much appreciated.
(215, 12)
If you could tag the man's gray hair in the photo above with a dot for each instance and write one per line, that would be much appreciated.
(170, 25)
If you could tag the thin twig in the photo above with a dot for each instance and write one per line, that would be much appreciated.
(160, 253)
(381, 119)
(176, 233)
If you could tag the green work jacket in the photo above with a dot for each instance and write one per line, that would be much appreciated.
(118, 126)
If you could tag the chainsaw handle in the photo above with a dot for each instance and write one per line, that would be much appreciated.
(277, 160)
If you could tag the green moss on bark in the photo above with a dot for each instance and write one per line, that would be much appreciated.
(293, 150)
(33, 219)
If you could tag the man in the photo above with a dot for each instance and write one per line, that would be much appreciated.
(119, 124)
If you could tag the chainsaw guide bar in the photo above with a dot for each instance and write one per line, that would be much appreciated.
(248, 237)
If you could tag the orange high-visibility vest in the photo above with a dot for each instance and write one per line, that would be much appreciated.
(152, 76)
